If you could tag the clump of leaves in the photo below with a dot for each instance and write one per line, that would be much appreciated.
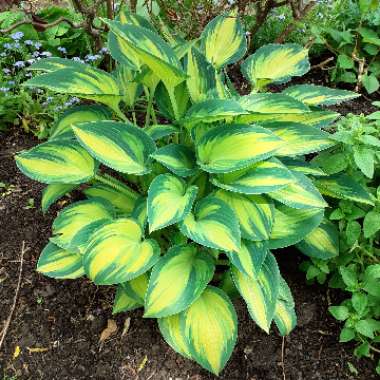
(180, 216)
(357, 218)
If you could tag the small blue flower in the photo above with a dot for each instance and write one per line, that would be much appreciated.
(6, 71)
(103, 50)
(92, 58)
(36, 54)
(281, 17)
(62, 49)
(17, 36)
(11, 83)
(7, 45)
(3, 54)
(19, 64)
(37, 45)
(16, 45)
(49, 99)
(28, 42)
(75, 100)
(4, 89)
(77, 59)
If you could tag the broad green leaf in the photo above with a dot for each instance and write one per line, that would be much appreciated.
(75, 223)
(285, 316)
(53, 192)
(255, 214)
(201, 77)
(165, 101)
(158, 131)
(52, 162)
(223, 40)
(227, 148)
(272, 104)
(292, 225)
(128, 84)
(48, 65)
(211, 110)
(210, 344)
(179, 159)
(86, 82)
(259, 178)
(58, 263)
(321, 243)
(127, 17)
(300, 139)
(371, 223)
(170, 328)
(344, 187)
(117, 253)
(370, 83)
(169, 201)
(301, 194)
(313, 95)
(75, 115)
(318, 119)
(250, 258)
(260, 292)
(151, 50)
(365, 160)
(213, 224)
(120, 146)
(117, 193)
(177, 280)
(130, 295)
(276, 63)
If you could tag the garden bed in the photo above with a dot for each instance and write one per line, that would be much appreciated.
(57, 324)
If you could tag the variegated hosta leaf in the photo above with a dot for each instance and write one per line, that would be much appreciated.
(84, 81)
(177, 280)
(151, 50)
(63, 162)
(201, 77)
(319, 119)
(120, 146)
(260, 292)
(276, 63)
(209, 327)
(117, 193)
(172, 332)
(272, 104)
(48, 65)
(211, 110)
(300, 139)
(169, 201)
(158, 131)
(75, 115)
(313, 95)
(292, 225)
(321, 243)
(223, 40)
(285, 316)
(165, 102)
(75, 223)
(140, 212)
(179, 159)
(116, 253)
(130, 295)
(230, 147)
(259, 178)
(56, 262)
(342, 186)
(53, 192)
(301, 194)
(304, 167)
(213, 224)
(255, 214)
(250, 258)
(127, 17)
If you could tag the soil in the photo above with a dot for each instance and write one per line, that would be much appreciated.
(57, 324)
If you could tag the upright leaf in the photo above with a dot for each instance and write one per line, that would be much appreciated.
(169, 201)
(177, 280)
(223, 40)
(53, 192)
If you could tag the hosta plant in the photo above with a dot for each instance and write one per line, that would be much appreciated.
(181, 215)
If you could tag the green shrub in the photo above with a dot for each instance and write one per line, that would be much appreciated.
(181, 215)
(356, 269)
